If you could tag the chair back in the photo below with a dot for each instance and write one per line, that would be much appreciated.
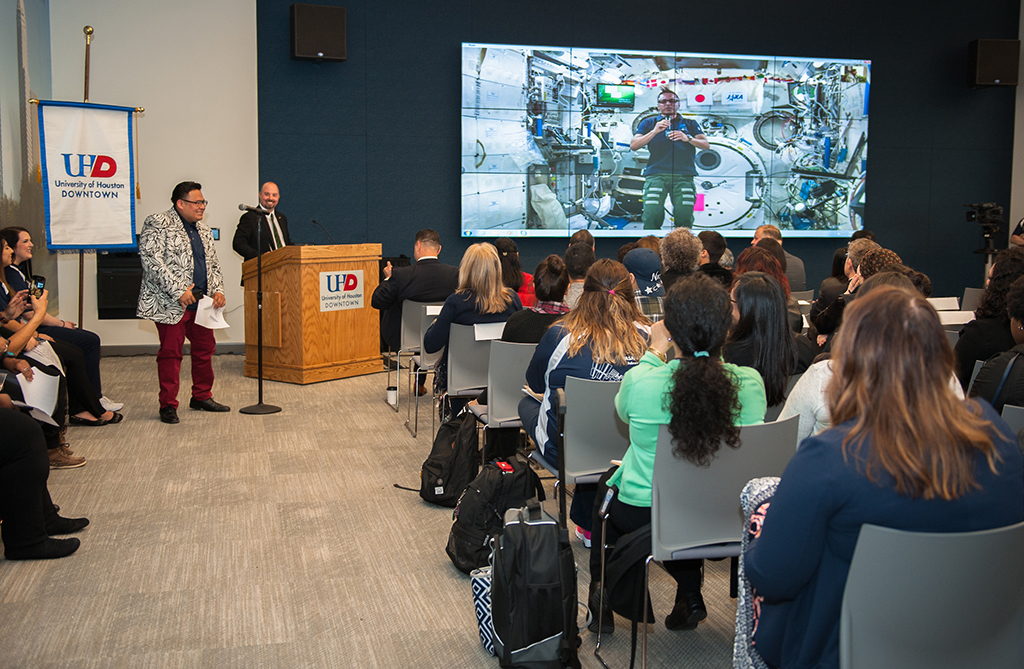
(594, 434)
(411, 320)
(506, 375)
(935, 600)
(972, 298)
(804, 299)
(1014, 417)
(944, 303)
(467, 360)
(695, 511)
(427, 313)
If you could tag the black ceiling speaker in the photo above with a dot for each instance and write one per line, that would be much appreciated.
(993, 62)
(318, 32)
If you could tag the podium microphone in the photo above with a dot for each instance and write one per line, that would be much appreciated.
(325, 230)
(255, 210)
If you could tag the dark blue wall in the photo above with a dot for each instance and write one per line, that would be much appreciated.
(370, 147)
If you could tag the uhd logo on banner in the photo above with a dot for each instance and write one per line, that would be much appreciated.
(96, 167)
(341, 290)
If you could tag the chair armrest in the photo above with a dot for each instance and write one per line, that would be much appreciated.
(560, 403)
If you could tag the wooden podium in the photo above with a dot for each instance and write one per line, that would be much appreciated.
(313, 327)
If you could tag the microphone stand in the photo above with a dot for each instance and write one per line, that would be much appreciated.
(259, 409)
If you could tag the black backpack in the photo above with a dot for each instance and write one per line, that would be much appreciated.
(533, 593)
(499, 486)
(453, 461)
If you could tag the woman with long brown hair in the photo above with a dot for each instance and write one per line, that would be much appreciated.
(904, 453)
(480, 298)
(600, 339)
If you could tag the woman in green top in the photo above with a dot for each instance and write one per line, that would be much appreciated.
(681, 382)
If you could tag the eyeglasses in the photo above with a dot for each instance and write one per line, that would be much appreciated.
(198, 203)
(673, 101)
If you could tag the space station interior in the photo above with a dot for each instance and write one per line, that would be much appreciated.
(546, 140)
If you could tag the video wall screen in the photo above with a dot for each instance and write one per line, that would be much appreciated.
(630, 143)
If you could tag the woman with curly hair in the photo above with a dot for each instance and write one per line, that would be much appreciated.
(680, 255)
(681, 382)
(760, 337)
(989, 332)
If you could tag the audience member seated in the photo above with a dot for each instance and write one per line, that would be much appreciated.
(792, 266)
(512, 274)
(807, 398)
(644, 267)
(600, 339)
(480, 298)
(30, 520)
(833, 286)
(828, 318)
(727, 260)
(680, 252)
(584, 237)
(1001, 380)
(578, 259)
(17, 274)
(650, 242)
(905, 453)
(708, 260)
(757, 259)
(550, 281)
(626, 248)
(84, 403)
(681, 382)
(989, 332)
(760, 337)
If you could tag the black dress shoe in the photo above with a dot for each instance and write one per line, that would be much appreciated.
(207, 405)
(49, 549)
(59, 525)
(169, 415)
(688, 611)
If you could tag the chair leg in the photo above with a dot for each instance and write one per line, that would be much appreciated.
(409, 424)
(647, 582)
(734, 576)
(600, 594)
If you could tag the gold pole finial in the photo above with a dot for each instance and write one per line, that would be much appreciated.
(87, 30)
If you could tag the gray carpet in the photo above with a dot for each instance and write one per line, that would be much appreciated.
(271, 541)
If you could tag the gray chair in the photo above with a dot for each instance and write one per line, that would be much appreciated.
(469, 350)
(410, 341)
(423, 362)
(953, 336)
(1014, 417)
(936, 600)
(804, 296)
(695, 511)
(593, 434)
(972, 297)
(506, 375)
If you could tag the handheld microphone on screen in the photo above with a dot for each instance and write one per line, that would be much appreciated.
(325, 230)
(255, 210)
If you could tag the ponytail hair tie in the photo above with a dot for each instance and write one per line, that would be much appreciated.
(700, 354)
(611, 292)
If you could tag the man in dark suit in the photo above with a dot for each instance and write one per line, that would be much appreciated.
(427, 280)
(274, 226)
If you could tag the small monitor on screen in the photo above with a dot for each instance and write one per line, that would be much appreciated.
(615, 95)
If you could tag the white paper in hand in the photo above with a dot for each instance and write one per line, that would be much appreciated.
(40, 392)
(208, 316)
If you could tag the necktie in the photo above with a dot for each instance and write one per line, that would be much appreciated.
(273, 230)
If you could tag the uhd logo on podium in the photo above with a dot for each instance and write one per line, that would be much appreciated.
(341, 290)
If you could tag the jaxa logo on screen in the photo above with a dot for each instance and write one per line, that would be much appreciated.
(341, 290)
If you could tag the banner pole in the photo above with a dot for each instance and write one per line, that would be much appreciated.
(81, 254)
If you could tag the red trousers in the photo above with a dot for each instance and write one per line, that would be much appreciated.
(168, 359)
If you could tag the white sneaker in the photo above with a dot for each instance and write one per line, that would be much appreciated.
(110, 405)
(583, 536)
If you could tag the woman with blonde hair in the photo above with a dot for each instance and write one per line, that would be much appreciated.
(600, 339)
(480, 298)
(904, 453)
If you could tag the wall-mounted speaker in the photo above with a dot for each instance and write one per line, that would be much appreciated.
(318, 32)
(993, 62)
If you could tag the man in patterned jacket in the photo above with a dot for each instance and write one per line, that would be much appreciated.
(180, 266)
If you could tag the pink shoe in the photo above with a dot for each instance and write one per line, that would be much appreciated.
(583, 536)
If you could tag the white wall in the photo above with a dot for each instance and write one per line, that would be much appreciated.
(192, 65)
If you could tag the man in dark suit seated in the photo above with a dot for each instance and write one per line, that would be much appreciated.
(274, 224)
(427, 280)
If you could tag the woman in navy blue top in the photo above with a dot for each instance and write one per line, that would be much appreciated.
(480, 298)
(905, 453)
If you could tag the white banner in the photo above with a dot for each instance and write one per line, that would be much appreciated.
(88, 176)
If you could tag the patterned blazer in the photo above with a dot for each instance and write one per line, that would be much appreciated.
(167, 266)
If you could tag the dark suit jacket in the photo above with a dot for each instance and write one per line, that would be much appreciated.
(428, 280)
(244, 242)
